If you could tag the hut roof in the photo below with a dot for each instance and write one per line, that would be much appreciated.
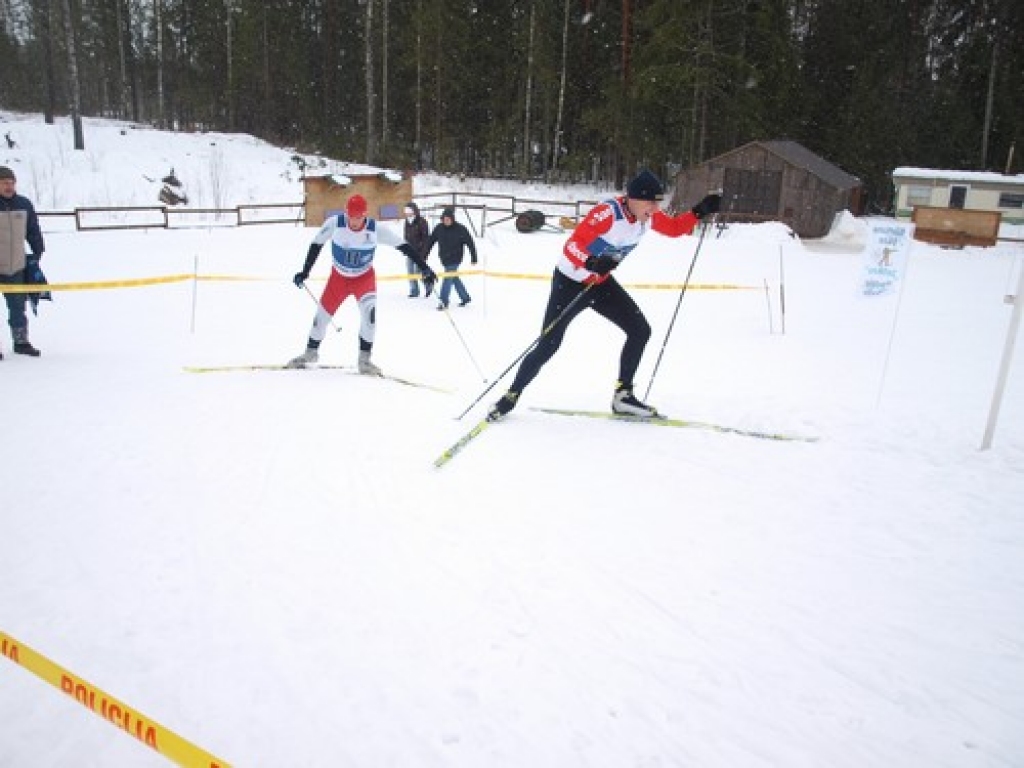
(800, 156)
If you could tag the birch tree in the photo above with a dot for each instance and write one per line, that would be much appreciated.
(75, 86)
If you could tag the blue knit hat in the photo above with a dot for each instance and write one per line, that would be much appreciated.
(646, 186)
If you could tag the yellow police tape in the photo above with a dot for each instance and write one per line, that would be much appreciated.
(119, 714)
(96, 285)
(144, 281)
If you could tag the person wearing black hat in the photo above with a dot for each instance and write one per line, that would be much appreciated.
(600, 242)
(451, 237)
(18, 224)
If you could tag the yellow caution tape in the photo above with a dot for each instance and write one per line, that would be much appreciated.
(654, 286)
(144, 281)
(96, 285)
(119, 714)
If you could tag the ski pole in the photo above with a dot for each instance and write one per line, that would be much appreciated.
(550, 326)
(672, 322)
(465, 346)
(317, 302)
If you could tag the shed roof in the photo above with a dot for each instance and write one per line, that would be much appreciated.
(801, 157)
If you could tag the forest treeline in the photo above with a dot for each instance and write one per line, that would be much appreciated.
(554, 89)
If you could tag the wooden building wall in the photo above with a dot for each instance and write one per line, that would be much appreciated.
(385, 198)
(758, 185)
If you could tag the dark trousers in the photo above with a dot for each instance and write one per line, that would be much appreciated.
(608, 299)
(16, 317)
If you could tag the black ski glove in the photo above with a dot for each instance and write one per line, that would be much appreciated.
(710, 204)
(302, 276)
(602, 264)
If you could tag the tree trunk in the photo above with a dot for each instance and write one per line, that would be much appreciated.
(438, 158)
(529, 92)
(384, 81)
(371, 96)
(51, 79)
(230, 65)
(557, 143)
(122, 57)
(418, 135)
(267, 89)
(160, 113)
(989, 97)
(75, 85)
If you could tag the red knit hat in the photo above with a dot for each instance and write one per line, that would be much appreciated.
(356, 206)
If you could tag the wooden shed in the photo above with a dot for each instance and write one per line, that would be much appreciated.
(774, 181)
(386, 194)
(964, 190)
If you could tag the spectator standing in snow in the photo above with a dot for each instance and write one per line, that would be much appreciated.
(18, 224)
(597, 246)
(354, 238)
(417, 232)
(451, 237)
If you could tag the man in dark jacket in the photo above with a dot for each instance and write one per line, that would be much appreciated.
(451, 237)
(417, 232)
(18, 225)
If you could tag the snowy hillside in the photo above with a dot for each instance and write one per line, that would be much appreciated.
(124, 164)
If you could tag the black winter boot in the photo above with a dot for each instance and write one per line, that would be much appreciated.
(22, 346)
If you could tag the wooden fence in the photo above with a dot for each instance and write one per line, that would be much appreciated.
(88, 218)
(482, 209)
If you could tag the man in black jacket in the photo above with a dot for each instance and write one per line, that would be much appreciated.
(451, 237)
(18, 224)
(416, 234)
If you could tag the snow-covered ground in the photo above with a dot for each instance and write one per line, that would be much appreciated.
(268, 564)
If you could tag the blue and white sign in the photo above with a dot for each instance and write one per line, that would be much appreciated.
(886, 258)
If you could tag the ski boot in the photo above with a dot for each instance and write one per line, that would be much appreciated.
(366, 367)
(309, 357)
(503, 406)
(624, 403)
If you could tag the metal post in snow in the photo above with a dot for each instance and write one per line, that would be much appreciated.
(1004, 367)
(195, 290)
(782, 291)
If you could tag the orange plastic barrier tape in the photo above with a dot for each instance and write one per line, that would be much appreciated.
(119, 714)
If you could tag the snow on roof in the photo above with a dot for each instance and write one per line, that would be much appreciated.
(989, 177)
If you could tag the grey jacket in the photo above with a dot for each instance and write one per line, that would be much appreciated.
(18, 224)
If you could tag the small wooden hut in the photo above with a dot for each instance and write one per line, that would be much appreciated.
(774, 181)
(386, 194)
